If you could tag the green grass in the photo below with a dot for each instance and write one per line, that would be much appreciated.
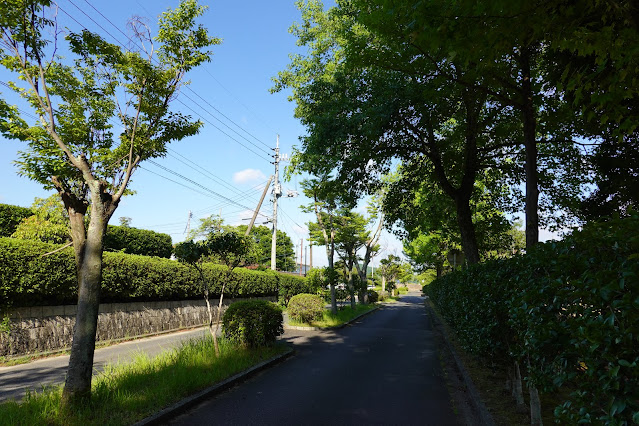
(126, 393)
(329, 320)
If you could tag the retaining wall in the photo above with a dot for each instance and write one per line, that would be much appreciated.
(50, 328)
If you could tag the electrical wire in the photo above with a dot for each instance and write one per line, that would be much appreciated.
(188, 88)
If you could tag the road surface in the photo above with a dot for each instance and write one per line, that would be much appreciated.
(382, 369)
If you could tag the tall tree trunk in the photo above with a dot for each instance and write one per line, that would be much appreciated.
(351, 286)
(329, 253)
(535, 406)
(461, 195)
(363, 291)
(518, 392)
(88, 253)
(467, 229)
(219, 311)
(530, 145)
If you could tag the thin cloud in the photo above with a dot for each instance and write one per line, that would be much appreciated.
(248, 175)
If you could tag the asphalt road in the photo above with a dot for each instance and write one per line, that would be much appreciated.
(14, 381)
(382, 369)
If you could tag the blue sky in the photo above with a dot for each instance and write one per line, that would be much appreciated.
(230, 93)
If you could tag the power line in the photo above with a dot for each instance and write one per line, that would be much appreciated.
(222, 131)
(188, 88)
(197, 94)
(192, 165)
(198, 185)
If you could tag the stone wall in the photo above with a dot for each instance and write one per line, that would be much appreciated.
(50, 328)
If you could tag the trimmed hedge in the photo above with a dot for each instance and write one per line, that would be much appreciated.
(28, 279)
(290, 285)
(137, 241)
(253, 323)
(568, 311)
(10, 217)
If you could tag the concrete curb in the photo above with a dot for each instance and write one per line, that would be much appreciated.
(478, 406)
(192, 400)
(298, 327)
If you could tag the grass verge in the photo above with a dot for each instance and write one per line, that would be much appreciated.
(343, 316)
(126, 393)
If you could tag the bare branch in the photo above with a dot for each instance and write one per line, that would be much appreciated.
(58, 249)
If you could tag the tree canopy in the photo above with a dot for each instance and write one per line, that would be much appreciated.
(74, 148)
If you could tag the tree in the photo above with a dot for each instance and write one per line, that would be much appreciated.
(210, 224)
(616, 167)
(351, 235)
(222, 246)
(325, 195)
(73, 148)
(390, 269)
(125, 221)
(362, 117)
(371, 247)
(426, 216)
(284, 249)
(428, 251)
(371, 81)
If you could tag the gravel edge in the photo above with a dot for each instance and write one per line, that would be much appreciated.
(483, 416)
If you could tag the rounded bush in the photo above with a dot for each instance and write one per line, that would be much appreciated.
(373, 296)
(306, 307)
(252, 323)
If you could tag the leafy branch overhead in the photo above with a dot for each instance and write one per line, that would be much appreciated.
(75, 147)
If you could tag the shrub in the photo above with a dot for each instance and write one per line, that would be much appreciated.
(253, 323)
(137, 241)
(373, 296)
(28, 279)
(290, 285)
(382, 295)
(306, 307)
(10, 218)
(568, 310)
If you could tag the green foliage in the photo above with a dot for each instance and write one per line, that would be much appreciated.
(125, 393)
(373, 296)
(49, 223)
(10, 218)
(284, 251)
(253, 323)
(28, 279)
(568, 310)
(290, 285)
(138, 241)
(306, 308)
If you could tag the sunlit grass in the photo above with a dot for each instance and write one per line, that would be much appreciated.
(329, 320)
(125, 393)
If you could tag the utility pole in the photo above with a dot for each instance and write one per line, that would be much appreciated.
(301, 250)
(311, 250)
(259, 206)
(305, 258)
(277, 193)
(188, 224)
